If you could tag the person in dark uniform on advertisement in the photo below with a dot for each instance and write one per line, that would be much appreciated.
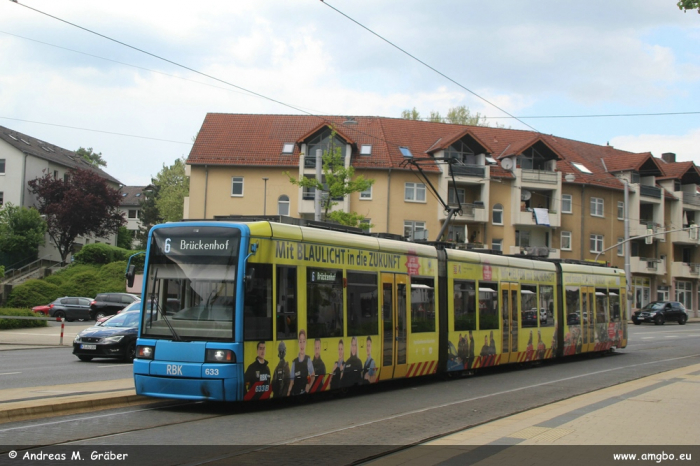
(337, 374)
(352, 374)
(302, 370)
(486, 349)
(369, 370)
(319, 366)
(280, 379)
(257, 376)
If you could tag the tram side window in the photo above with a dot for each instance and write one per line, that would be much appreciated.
(363, 304)
(324, 302)
(615, 305)
(422, 305)
(573, 305)
(601, 305)
(465, 305)
(546, 309)
(488, 305)
(286, 302)
(257, 310)
(529, 314)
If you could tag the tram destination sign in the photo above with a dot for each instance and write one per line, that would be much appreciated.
(172, 245)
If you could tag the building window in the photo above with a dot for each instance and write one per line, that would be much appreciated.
(324, 295)
(566, 204)
(497, 217)
(405, 151)
(366, 149)
(414, 192)
(497, 244)
(596, 243)
(133, 213)
(283, 205)
(366, 194)
(288, 148)
(2, 198)
(414, 230)
(566, 240)
(55, 174)
(368, 222)
(522, 238)
(452, 200)
(620, 210)
(683, 293)
(237, 186)
(620, 246)
(2, 166)
(596, 207)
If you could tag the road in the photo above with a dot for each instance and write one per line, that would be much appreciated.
(400, 413)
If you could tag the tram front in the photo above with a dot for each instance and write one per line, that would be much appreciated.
(190, 339)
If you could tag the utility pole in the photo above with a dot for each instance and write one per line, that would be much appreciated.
(319, 179)
(265, 197)
(628, 252)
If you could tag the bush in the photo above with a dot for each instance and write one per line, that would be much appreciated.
(6, 324)
(85, 284)
(111, 277)
(33, 293)
(100, 254)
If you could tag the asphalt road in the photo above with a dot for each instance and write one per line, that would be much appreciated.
(393, 414)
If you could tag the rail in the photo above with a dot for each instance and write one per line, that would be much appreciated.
(32, 266)
(650, 191)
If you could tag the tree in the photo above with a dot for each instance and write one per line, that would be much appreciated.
(21, 230)
(149, 215)
(410, 114)
(173, 186)
(686, 5)
(93, 158)
(124, 238)
(339, 183)
(456, 115)
(82, 205)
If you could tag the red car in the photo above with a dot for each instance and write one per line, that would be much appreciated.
(42, 309)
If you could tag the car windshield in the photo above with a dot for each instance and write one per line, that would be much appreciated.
(654, 306)
(128, 320)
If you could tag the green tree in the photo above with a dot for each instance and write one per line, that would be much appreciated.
(460, 115)
(173, 186)
(686, 5)
(149, 214)
(93, 158)
(339, 183)
(124, 237)
(410, 114)
(21, 230)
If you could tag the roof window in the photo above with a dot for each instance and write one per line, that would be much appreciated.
(288, 148)
(366, 149)
(138, 194)
(123, 194)
(405, 151)
(13, 137)
(25, 141)
(581, 167)
(45, 148)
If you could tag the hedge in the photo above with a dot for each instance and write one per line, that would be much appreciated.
(8, 324)
(101, 253)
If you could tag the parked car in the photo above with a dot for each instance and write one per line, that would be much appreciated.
(659, 312)
(529, 318)
(42, 309)
(114, 338)
(107, 304)
(71, 308)
(573, 318)
(543, 316)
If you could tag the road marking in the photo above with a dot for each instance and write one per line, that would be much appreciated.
(648, 338)
(10, 373)
(671, 336)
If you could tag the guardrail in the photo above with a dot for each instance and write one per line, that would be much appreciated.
(32, 266)
(53, 319)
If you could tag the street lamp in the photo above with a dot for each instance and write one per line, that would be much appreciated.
(265, 197)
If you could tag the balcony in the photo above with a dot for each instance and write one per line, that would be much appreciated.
(650, 191)
(647, 265)
(470, 213)
(478, 171)
(686, 236)
(539, 176)
(527, 217)
(685, 270)
(310, 162)
(535, 250)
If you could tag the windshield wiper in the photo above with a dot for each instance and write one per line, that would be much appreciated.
(160, 310)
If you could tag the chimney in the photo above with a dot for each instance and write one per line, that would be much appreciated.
(668, 157)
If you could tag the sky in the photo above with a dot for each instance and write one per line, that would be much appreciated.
(530, 58)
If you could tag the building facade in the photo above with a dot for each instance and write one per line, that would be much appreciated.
(518, 192)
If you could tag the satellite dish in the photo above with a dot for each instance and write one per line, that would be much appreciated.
(507, 164)
(525, 195)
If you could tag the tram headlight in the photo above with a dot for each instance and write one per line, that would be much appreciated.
(220, 355)
(145, 352)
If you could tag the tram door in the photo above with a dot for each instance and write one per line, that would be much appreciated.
(587, 319)
(394, 340)
(509, 312)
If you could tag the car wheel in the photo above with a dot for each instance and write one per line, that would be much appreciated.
(682, 320)
(85, 358)
(130, 352)
(636, 322)
(60, 315)
(659, 320)
(100, 315)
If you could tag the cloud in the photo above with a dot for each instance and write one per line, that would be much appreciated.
(685, 146)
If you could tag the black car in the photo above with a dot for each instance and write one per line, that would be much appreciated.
(659, 312)
(70, 308)
(107, 304)
(114, 338)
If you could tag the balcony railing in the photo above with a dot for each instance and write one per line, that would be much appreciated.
(468, 170)
(310, 162)
(539, 176)
(650, 191)
(690, 198)
(468, 210)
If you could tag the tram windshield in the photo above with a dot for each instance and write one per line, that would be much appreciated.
(190, 284)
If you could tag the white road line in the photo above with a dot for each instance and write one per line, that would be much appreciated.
(10, 373)
(648, 338)
(671, 336)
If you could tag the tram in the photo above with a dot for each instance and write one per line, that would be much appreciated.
(257, 310)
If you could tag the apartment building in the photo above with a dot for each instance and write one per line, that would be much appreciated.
(519, 192)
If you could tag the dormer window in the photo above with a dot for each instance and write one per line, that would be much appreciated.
(405, 151)
(288, 148)
(581, 167)
(366, 149)
(462, 153)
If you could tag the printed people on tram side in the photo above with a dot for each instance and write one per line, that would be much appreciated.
(302, 375)
(257, 376)
(337, 374)
(319, 366)
(352, 373)
(463, 349)
(554, 339)
(492, 345)
(486, 349)
(541, 348)
(529, 350)
(369, 370)
(280, 378)
(470, 357)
